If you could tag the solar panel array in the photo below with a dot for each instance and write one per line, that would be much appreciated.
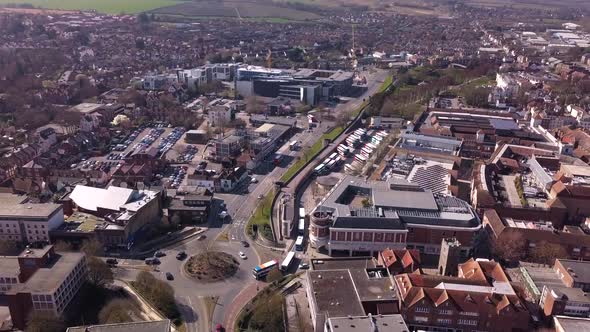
(431, 178)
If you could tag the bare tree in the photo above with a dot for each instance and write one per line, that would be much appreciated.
(509, 247)
(93, 247)
(99, 273)
(546, 253)
(254, 105)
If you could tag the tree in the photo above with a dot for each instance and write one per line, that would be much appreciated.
(477, 97)
(254, 105)
(44, 322)
(99, 273)
(510, 246)
(92, 247)
(116, 311)
(274, 275)
(158, 292)
(546, 253)
(366, 202)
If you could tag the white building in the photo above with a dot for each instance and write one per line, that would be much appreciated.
(26, 222)
(219, 115)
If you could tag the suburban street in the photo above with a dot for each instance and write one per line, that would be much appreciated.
(226, 236)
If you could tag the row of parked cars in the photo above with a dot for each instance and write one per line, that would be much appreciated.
(178, 174)
(189, 154)
(168, 142)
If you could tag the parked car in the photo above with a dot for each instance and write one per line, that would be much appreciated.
(245, 244)
(304, 266)
(201, 237)
(219, 328)
(181, 255)
(159, 254)
(112, 261)
(242, 255)
(169, 276)
(152, 261)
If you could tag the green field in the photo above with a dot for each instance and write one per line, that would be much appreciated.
(103, 6)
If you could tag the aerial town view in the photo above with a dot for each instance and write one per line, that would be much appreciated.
(294, 165)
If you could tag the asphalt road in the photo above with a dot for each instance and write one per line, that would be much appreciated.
(190, 292)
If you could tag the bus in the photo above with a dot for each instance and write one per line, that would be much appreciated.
(342, 150)
(360, 158)
(299, 243)
(287, 261)
(293, 146)
(260, 271)
(333, 155)
(301, 226)
(319, 169)
(331, 164)
(301, 212)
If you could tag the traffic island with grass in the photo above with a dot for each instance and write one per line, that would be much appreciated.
(211, 266)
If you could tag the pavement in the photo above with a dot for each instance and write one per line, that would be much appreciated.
(238, 290)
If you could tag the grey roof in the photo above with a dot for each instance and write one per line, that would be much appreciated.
(155, 326)
(572, 324)
(334, 293)
(48, 279)
(571, 294)
(389, 323)
(580, 268)
(421, 200)
(28, 210)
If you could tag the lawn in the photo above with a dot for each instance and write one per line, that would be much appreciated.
(103, 6)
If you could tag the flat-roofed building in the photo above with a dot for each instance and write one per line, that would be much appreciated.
(27, 222)
(389, 323)
(48, 281)
(147, 326)
(349, 287)
(401, 215)
(571, 324)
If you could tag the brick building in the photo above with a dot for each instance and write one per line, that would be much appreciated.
(480, 298)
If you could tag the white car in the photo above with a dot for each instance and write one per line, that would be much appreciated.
(254, 180)
(242, 255)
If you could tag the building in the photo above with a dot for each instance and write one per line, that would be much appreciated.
(564, 301)
(376, 323)
(227, 148)
(115, 215)
(196, 136)
(27, 222)
(48, 282)
(571, 324)
(573, 273)
(148, 326)
(402, 215)
(225, 180)
(450, 254)
(430, 143)
(221, 112)
(480, 298)
(533, 232)
(191, 208)
(399, 261)
(349, 287)
(386, 122)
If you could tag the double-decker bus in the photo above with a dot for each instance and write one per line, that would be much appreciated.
(301, 212)
(260, 271)
(287, 261)
(299, 243)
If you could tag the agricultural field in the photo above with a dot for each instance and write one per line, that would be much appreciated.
(103, 6)
(237, 9)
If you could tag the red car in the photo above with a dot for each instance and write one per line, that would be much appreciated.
(219, 328)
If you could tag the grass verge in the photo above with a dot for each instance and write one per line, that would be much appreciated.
(261, 218)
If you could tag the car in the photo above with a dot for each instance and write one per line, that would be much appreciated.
(152, 261)
(254, 180)
(260, 196)
(304, 266)
(169, 276)
(242, 255)
(159, 254)
(112, 261)
(245, 244)
(201, 237)
(219, 328)
(181, 255)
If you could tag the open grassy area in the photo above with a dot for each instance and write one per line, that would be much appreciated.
(103, 6)
(261, 218)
